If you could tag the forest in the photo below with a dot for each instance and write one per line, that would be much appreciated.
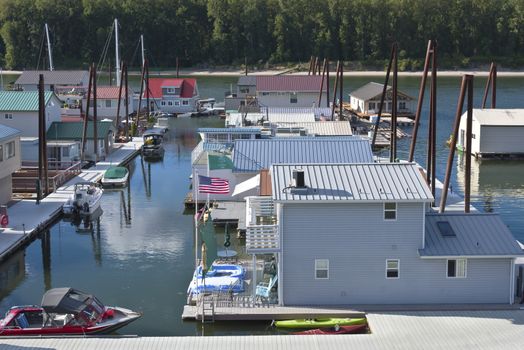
(228, 32)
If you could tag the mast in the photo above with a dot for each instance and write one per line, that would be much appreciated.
(142, 44)
(51, 67)
(117, 54)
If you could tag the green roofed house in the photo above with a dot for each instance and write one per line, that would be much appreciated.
(19, 110)
(67, 137)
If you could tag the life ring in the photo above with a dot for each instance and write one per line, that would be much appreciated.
(4, 220)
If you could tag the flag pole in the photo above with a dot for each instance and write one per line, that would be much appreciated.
(195, 197)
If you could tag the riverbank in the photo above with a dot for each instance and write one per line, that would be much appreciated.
(239, 72)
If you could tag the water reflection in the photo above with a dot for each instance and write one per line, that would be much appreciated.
(12, 273)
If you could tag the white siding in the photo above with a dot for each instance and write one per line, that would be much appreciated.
(501, 139)
(357, 241)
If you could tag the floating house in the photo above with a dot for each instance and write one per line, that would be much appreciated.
(348, 234)
(365, 101)
(172, 95)
(9, 160)
(107, 102)
(57, 80)
(19, 110)
(495, 133)
(277, 91)
(319, 129)
(66, 137)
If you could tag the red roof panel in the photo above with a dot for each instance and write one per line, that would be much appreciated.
(155, 86)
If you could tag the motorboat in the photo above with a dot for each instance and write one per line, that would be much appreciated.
(153, 148)
(65, 311)
(319, 323)
(219, 278)
(84, 200)
(358, 328)
(115, 176)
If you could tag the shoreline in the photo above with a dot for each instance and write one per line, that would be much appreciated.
(237, 73)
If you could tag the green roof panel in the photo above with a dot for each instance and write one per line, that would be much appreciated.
(22, 101)
(73, 130)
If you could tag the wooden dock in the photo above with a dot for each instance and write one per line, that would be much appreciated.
(26, 218)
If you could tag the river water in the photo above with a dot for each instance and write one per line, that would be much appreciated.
(140, 252)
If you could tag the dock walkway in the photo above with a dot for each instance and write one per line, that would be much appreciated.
(26, 218)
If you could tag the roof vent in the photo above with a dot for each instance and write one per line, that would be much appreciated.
(445, 229)
(298, 178)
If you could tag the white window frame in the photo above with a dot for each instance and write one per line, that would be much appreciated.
(169, 103)
(317, 268)
(370, 104)
(293, 97)
(457, 268)
(162, 103)
(397, 269)
(177, 103)
(390, 210)
(108, 102)
(8, 116)
(185, 103)
(402, 105)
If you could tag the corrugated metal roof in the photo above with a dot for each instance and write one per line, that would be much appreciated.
(326, 128)
(291, 117)
(371, 90)
(373, 182)
(475, 235)
(317, 111)
(73, 130)
(498, 117)
(7, 132)
(254, 155)
(56, 77)
(22, 101)
(247, 80)
(290, 83)
(229, 130)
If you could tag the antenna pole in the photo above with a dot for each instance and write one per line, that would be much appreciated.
(117, 54)
(51, 67)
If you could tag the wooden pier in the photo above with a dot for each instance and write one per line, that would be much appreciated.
(26, 218)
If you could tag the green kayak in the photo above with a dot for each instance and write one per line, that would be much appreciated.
(319, 322)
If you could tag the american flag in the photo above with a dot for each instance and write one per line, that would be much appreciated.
(212, 185)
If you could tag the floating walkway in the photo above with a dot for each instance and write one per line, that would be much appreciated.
(389, 330)
(26, 218)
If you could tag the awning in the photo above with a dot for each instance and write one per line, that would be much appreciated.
(247, 185)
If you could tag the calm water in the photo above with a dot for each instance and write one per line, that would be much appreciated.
(140, 253)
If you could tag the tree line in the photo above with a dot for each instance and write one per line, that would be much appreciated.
(227, 32)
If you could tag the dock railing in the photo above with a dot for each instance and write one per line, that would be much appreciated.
(262, 231)
(197, 151)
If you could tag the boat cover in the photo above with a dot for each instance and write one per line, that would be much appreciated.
(65, 301)
(115, 172)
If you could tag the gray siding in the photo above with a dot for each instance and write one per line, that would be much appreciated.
(357, 256)
(304, 99)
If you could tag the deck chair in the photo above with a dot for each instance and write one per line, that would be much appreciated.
(264, 288)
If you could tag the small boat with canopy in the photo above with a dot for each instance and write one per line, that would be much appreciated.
(115, 176)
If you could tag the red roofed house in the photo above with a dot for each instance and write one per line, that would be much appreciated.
(173, 95)
(107, 102)
(279, 91)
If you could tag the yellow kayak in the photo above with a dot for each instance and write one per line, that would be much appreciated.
(319, 322)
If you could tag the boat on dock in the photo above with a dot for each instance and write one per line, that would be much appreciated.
(319, 323)
(153, 139)
(115, 176)
(358, 328)
(219, 278)
(65, 311)
(84, 200)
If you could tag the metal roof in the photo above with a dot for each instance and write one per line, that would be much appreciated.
(7, 132)
(372, 182)
(498, 117)
(477, 235)
(56, 77)
(290, 83)
(247, 80)
(372, 89)
(22, 101)
(254, 155)
(229, 130)
(317, 111)
(325, 128)
(73, 130)
(291, 117)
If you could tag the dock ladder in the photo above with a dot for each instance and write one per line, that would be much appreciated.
(208, 308)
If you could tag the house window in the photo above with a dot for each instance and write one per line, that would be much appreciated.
(372, 105)
(390, 211)
(169, 103)
(244, 90)
(265, 93)
(321, 269)
(185, 102)
(108, 103)
(402, 105)
(457, 268)
(162, 103)
(8, 116)
(293, 98)
(177, 103)
(392, 268)
(10, 149)
(1, 153)
(65, 151)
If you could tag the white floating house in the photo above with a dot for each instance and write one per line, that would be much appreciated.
(495, 133)
(365, 101)
(350, 234)
(9, 161)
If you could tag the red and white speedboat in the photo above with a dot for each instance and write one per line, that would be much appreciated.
(65, 311)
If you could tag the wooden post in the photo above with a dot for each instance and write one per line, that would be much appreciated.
(41, 127)
(469, 123)
(341, 92)
(322, 84)
(315, 63)
(420, 101)
(381, 107)
(310, 65)
(335, 86)
(148, 109)
(110, 77)
(453, 144)
(433, 116)
(127, 105)
(86, 117)
(177, 67)
(492, 82)
(141, 92)
(327, 84)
